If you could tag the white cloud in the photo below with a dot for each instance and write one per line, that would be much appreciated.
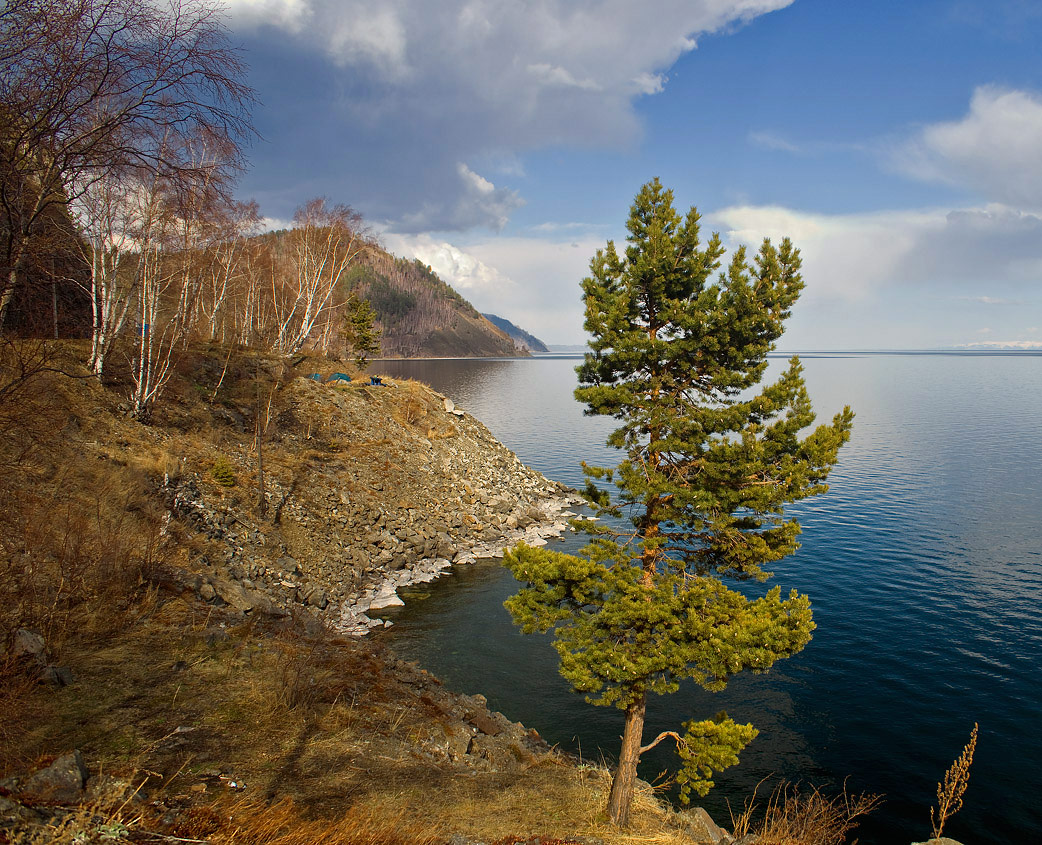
(552, 75)
(1003, 344)
(375, 36)
(460, 269)
(290, 15)
(991, 300)
(534, 282)
(852, 255)
(418, 86)
(994, 150)
(773, 141)
(273, 224)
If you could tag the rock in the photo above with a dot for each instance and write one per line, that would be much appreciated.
(11, 812)
(61, 782)
(387, 597)
(247, 600)
(57, 676)
(460, 839)
(483, 721)
(700, 826)
(232, 593)
(28, 645)
(317, 598)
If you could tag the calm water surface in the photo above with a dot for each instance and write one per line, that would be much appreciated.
(923, 564)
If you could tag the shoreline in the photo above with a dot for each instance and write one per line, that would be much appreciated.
(354, 612)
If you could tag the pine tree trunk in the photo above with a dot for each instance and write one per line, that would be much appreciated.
(625, 779)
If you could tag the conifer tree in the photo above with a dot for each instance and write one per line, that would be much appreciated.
(361, 331)
(709, 465)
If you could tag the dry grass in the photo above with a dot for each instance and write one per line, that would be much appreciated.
(284, 823)
(953, 787)
(77, 559)
(803, 817)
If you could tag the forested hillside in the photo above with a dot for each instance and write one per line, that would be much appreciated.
(419, 315)
(517, 334)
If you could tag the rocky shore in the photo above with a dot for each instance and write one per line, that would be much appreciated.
(393, 487)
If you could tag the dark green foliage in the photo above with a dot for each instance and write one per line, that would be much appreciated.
(708, 467)
(391, 303)
(361, 332)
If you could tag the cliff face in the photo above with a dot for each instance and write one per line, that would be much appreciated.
(422, 317)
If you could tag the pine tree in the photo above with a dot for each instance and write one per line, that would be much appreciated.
(708, 467)
(361, 331)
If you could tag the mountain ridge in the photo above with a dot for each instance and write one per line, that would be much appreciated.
(517, 334)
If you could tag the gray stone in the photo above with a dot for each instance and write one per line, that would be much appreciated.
(28, 645)
(460, 839)
(701, 827)
(61, 782)
(57, 676)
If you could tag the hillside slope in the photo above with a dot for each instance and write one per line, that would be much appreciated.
(420, 316)
(517, 334)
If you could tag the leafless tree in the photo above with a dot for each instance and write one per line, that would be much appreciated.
(89, 88)
(106, 213)
(324, 243)
(224, 281)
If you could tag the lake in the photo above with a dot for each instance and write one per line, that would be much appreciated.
(923, 564)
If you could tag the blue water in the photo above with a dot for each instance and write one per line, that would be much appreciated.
(923, 564)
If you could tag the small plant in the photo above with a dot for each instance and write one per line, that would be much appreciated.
(951, 790)
(222, 472)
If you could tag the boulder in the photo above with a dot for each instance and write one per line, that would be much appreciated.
(28, 645)
(61, 782)
(699, 825)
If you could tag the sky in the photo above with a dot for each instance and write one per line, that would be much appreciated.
(899, 145)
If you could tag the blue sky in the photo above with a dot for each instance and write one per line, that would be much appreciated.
(502, 141)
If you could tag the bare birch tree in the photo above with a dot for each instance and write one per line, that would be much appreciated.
(85, 88)
(325, 241)
(105, 212)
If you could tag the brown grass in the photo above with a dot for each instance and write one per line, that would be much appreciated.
(284, 823)
(803, 817)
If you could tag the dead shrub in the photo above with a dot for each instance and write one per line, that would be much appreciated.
(77, 561)
(22, 707)
(953, 787)
(312, 674)
(803, 817)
